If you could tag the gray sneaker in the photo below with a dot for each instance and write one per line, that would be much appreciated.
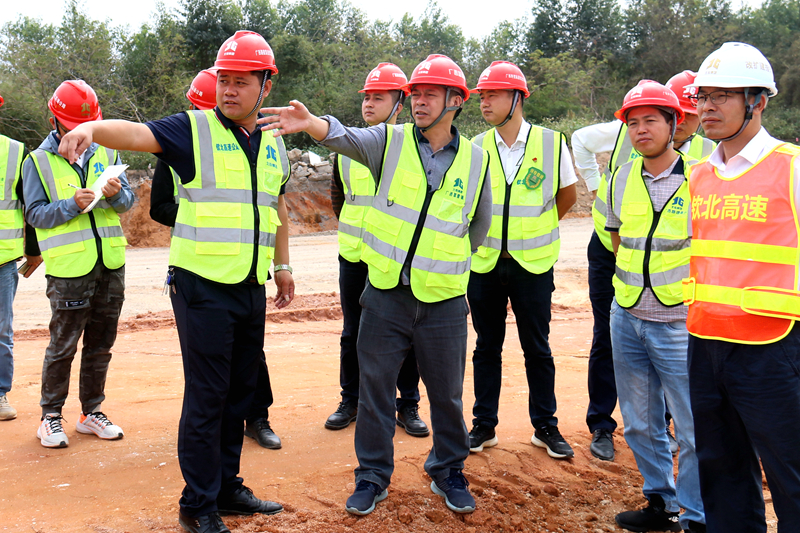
(6, 411)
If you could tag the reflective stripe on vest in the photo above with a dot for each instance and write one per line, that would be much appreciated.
(742, 285)
(441, 261)
(215, 229)
(12, 222)
(699, 148)
(529, 203)
(654, 246)
(359, 191)
(70, 250)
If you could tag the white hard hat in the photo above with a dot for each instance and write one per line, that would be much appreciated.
(736, 65)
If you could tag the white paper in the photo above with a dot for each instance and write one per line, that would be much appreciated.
(111, 171)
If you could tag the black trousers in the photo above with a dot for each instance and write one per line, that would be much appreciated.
(602, 385)
(530, 296)
(352, 280)
(221, 332)
(746, 408)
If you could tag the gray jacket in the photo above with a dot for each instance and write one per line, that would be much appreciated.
(41, 213)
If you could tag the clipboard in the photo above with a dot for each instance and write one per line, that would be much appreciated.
(111, 171)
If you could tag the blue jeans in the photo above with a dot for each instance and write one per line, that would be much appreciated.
(391, 321)
(8, 288)
(650, 362)
(746, 403)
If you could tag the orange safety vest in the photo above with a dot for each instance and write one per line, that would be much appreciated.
(743, 271)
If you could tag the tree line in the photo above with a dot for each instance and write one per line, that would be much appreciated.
(580, 56)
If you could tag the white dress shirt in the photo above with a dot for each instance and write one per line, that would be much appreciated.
(511, 157)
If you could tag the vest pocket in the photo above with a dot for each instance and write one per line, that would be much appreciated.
(234, 170)
(64, 186)
(73, 226)
(450, 211)
(219, 229)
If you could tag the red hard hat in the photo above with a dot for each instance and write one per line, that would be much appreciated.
(74, 103)
(386, 77)
(438, 69)
(678, 83)
(203, 90)
(1, 101)
(650, 93)
(246, 51)
(503, 75)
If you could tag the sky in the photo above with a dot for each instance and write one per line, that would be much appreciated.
(134, 13)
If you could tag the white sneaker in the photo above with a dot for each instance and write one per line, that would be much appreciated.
(51, 432)
(98, 424)
(6, 411)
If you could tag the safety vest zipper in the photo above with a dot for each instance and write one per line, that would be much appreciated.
(97, 241)
(257, 222)
(423, 213)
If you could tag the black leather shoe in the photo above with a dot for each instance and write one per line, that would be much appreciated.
(344, 414)
(408, 419)
(602, 445)
(259, 430)
(208, 523)
(244, 502)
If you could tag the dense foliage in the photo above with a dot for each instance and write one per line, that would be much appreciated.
(580, 56)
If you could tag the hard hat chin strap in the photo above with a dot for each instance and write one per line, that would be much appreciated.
(446, 110)
(260, 94)
(400, 101)
(748, 114)
(513, 108)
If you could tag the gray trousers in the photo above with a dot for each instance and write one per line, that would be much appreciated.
(90, 306)
(391, 322)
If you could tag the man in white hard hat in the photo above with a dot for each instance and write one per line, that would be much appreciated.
(742, 292)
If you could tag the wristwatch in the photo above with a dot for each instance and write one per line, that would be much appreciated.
(278, 268)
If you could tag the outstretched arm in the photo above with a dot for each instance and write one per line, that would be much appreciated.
(293, 119)
(115, 134)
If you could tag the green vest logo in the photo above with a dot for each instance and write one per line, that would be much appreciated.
(86, 109)
(458, 189)
(534, 178)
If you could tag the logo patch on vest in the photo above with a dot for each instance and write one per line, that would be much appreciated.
(272, 153)
(226, 147)
(732, 206)
(458, 189)
(676, 206)
(98, 169)
(533, 179)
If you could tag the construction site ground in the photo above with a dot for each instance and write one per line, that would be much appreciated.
(133, 484)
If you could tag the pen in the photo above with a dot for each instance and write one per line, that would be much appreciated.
(73, 186)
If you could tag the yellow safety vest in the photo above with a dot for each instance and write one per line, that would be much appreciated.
(524, 213)
(654, 246)
(359, 191)
(12, 220)
(440, 264)
(70, 250)
(215, 229)
(699, 148)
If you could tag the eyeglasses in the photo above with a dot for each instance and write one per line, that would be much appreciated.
(717, 97)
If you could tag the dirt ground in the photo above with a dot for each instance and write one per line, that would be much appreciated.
(133, 485)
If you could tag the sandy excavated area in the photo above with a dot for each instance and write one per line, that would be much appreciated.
(133, 485)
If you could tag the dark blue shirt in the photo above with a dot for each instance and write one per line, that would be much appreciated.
(174, 135)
